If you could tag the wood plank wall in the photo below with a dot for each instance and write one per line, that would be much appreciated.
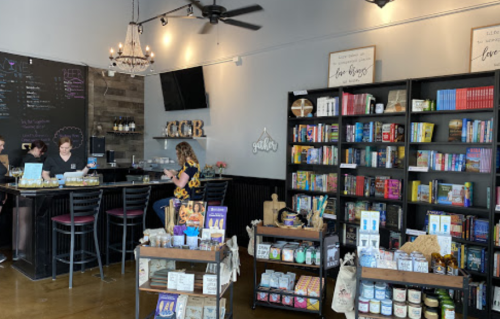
(124, 97)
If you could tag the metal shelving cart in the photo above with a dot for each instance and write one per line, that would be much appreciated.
(184, 255)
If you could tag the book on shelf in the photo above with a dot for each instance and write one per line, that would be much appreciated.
(327, 106)
(311, 181)
(477, 131)
(380, 185)
(396, 101)
(417, 105)
(357, 104)
(478, 160)
(455, 130)
(423, 193)
(394, 240)
(421, 132)
(351, 233)
(384, 157)
(451, 194)
(392, 189)
(325, 155)
(375, 132)
(423, 158)
(315, 133)
(465, 98)
(495, 305)
(394, 217)
(414, 191)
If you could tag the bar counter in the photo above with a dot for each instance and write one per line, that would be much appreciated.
(34, 208)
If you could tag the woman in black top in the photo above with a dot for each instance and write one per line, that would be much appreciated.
(38, 148)
(64, 161)
(3, 196)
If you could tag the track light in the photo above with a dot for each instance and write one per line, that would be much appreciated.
(164, 21)
(380, 3)
(140, 28)
(190, 11)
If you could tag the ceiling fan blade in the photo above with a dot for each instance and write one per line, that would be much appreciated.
(197, 4)
(240, 11)
(206, 28)
(186, 17)
(241, 24)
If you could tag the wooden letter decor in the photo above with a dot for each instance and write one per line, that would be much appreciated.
(180, 128)
(198, 128)
(169, 129)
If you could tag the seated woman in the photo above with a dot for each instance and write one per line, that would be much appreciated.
(185, 180)
(34, 155)
(64, 161)
(3, 196)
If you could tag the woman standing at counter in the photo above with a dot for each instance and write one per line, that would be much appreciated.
(3, 196)
(38, 148)
(64, 161)
(185, 180)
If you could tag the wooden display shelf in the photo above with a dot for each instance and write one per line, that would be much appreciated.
(197, 291)
(182, 254)
(124, 133)
(288, 233)
(280, 306)
(377, 316)
(377, 115)
(278, 262)
(412, 278)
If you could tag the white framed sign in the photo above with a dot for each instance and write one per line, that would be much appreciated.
(485, 48)
(351, 67)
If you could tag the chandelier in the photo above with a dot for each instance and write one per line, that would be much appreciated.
(380, 3)
(130, 57)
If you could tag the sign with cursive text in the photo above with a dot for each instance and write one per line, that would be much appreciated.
(265, 143)
(485, 48)
(352, 67)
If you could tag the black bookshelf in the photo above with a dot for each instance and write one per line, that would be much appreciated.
(413, 212)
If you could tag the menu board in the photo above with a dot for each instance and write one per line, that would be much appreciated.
(41, 100)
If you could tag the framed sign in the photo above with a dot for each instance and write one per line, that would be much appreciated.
(485, 48)
(351, 67)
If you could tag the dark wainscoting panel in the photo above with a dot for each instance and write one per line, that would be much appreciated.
(245, 200)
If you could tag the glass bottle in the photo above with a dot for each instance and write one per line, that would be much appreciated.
(132, 125)
(126, 126)
(115, 125)
(120, 124)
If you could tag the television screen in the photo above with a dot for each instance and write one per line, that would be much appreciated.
(184, 89)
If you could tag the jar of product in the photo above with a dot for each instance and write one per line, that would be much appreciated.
(363, 305)
(438, 265)
(431, 300)
(399, 293)
(451, 265)
(414, 296)
(380, 289)
(367, 290)
(405, 264)
(447, 310)
(435, 257)
(400, 309)
(375, 306)
(414, 310)
(431, 313)
(399, 253)
(386, 307)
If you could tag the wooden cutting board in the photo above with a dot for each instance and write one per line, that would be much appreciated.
(271, 209)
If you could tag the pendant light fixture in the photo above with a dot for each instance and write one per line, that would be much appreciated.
(380, 3)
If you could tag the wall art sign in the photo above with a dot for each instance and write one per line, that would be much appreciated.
(485, 48)
(265, 143)
(352, 67)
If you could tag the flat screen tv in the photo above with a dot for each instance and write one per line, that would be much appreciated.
(184, 89)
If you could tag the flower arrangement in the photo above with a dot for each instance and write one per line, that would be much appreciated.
(221, 165)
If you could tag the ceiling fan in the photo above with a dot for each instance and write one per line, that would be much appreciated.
(215, 13)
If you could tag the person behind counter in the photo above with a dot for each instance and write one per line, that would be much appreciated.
(64, 161)
(3, 196)
(34, 155)
(185, 180)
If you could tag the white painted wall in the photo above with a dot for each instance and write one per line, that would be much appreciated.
(291, 52)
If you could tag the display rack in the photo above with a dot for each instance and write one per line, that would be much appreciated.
(292, 234)
(184, 255)
(460, 282)
(414, 213)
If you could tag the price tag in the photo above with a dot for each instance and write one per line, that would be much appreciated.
(301, 92)
(330, 216)
(418, 169)
(415, 232)
(352, 166)
(497, 208)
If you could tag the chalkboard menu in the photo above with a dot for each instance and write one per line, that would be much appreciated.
(41, 100)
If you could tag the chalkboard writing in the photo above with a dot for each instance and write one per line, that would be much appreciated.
(41, 100)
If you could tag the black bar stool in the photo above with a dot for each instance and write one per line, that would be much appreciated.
(133, 213)
(82, 219)
(215, 193)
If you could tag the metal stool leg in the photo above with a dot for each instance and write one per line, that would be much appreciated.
(97, 251)
(71, 256)
(83, 248)
(54, 250)
(132, 238)
(107, 239)
(124, 242)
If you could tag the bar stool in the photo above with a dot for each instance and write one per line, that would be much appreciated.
(135, 204)
(215, 193)
(82, 220)
(198, 193)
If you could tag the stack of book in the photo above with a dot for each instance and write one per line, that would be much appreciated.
(464, 99)
(478, 160)
(470, 131)
(421, 132)
(384, 157)
(437, 192)
(357, 104)
(375, 132)
(468, 227)
(391, 216)
(327, 106)
(325, 155)
(316, 133)
(307, 203)
(441, 162)
(311, 181)
(378, 186)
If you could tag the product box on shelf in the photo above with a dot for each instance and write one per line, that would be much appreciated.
(301, 289)
(194, 308)
(276, 296)
(210, 308)
(263, 250)
(263, 294)
(313, 291)
(287, 300)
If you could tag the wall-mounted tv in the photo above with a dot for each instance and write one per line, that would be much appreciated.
(184, 89)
